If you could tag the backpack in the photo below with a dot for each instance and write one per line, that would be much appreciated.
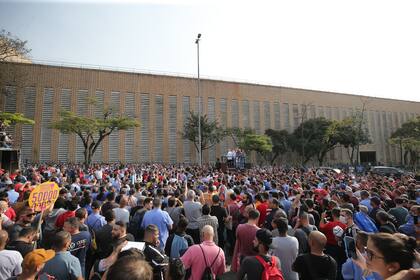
(208, 274)
(135, 220)
(179, 246)
(364, 222)
(271, 271)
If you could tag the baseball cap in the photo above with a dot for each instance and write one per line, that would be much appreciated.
(37, 257)
(264, 236)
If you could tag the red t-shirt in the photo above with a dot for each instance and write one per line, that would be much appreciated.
(59, 223)
(10, 213)
(327, 229)
(262, 208)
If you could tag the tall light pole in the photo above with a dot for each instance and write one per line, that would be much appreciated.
(197, 41)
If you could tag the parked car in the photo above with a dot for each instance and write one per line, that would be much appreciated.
(387, 171)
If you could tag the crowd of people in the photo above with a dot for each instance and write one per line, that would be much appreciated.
(153, 221)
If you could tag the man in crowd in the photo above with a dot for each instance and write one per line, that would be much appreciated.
(206, 254)
(80, 241)
(104, 236)
(346, 217)
(316, 264)
(95, 221)
(286, 248)
(399, 211)
(25, 218)
(10, 261)
(245, 235)
(33, 263)
(119, 233)
(159, 218)
(206, 219)
(72, 206)
(24, 243)
(221, 214)
(192, 211)
(253, 266)
(64, 266)
(121, 213)
(153, 254)
(302, 231)
(110, 203)
(333, 248)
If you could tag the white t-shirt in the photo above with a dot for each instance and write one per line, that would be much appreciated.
(121, 214)
(286, 249)
(10, 264)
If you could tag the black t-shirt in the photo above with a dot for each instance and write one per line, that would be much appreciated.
(104, 241)
(253, 269)
(220, 213)
(312, 267)
(21, 246)
(156, 259)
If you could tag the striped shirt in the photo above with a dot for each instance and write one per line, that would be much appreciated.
(209, 220)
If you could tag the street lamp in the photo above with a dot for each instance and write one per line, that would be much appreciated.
(197, 41)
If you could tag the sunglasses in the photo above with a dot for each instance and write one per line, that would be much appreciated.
(370, 254)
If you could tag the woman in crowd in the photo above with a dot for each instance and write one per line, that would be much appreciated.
(387, 254)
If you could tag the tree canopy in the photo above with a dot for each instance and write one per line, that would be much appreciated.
(280, 140)
(211, 132)
(12, 47)
(408, 135)
(92, 130)
(351, 132)
(256, 142)
(312, 135)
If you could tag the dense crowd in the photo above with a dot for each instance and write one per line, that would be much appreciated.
(160, 222)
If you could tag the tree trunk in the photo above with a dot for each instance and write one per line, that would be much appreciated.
(87, 157)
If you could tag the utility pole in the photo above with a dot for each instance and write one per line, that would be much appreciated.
(197, 41)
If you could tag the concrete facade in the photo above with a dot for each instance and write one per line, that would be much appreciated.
(161, 103)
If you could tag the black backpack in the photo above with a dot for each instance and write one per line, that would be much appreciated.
(207, 274)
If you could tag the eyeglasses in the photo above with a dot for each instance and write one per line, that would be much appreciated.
(370, 254)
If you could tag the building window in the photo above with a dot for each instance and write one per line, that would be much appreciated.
(114, 137)
(130, 111)
(172, 135)
(185, 115)
(63, 139)
(144, 155)
(159, 128)
(47, 115)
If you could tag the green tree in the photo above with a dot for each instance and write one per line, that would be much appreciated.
(92, 130)
(408, 135)
(237, 134)
(256, 142)
(312, 134)
(280, 140)
(11, 47)
(8, 119)
(350, 133)
(211, 132)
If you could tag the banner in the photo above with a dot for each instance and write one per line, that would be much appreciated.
(43, 196)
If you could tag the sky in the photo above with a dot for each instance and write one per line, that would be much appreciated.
(364, 47)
